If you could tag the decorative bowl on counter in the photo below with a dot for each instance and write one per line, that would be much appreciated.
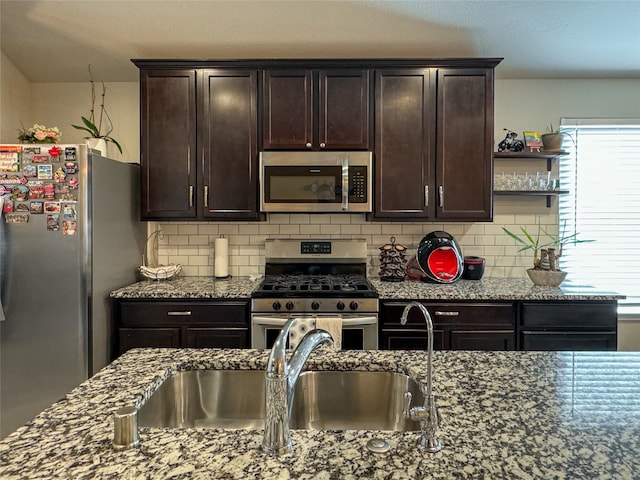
(161, 272)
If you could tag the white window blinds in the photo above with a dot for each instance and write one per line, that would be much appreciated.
(602, 174)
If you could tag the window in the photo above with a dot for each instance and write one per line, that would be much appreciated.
(602, 174)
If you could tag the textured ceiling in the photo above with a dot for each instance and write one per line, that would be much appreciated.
(54, 41)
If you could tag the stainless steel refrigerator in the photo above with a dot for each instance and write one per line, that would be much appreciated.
(69, 235)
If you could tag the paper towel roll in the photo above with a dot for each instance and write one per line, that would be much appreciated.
(221, 257)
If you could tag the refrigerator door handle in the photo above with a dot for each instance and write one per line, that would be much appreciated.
(2, 250)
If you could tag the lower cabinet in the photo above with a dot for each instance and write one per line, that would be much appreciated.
(456, 326)
(579, 325)
(193, 324)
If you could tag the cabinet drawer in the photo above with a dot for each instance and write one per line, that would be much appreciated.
(177, 313)
(569, 315)
(481, 315)
(148, 337)
(557, 341)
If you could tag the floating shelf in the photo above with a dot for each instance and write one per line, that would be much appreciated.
(550, 194)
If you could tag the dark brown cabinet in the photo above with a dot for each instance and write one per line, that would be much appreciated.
(456, 326)
(168, 143)
(580, 325)
(316, 109)
(194, 324)
(228, 147)
(433, 144)
(199, 152)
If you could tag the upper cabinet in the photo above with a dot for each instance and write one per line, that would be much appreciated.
(199, 144)
(429, 123)
(316, 109)
(168, 143)
(228, 144)
(433, 144)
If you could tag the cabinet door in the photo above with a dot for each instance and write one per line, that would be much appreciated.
(343, 110)
(148, 337)
(404, 123)
(168, 143)
(464, 162)
(228, 144)
(288, 115)
(492, 340)
(218, 338)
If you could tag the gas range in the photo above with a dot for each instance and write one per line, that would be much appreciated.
(316, 278)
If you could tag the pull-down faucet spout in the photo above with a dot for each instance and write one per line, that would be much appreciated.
(280, 382)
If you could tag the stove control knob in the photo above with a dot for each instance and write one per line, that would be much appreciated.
(315, 306)
(276, 305)
(353, 305)
(340, 305)
(289, 305)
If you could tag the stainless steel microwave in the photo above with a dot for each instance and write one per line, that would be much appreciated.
(316, 181)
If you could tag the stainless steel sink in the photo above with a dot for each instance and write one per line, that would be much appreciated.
(323, 400)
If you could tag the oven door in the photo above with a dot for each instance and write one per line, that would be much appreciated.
(359, 332)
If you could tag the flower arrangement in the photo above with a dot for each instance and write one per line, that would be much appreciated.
(39, 134)
(98, 120)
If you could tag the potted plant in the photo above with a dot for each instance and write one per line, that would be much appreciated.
(98, 125)
(547, 250)
(552, 139)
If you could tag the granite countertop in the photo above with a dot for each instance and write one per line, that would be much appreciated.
(485, 289)
(189, 287)
(504, 415)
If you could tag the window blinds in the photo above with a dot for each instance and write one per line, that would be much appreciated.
(602, 174)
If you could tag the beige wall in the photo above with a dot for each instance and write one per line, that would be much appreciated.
(62, 104)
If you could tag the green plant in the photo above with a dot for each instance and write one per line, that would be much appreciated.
(96, 121)
(529, 242)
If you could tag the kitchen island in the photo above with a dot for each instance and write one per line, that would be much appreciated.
(504, 415)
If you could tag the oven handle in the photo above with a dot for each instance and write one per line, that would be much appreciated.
(279, 320)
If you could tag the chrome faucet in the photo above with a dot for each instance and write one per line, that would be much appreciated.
(280, 382)
(427, 415)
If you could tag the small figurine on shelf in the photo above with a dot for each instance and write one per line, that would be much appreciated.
(392, 260)
(510, 142)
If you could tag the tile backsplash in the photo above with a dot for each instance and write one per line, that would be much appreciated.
(192, 244)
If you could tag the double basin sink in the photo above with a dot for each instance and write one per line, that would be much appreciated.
(323, 400)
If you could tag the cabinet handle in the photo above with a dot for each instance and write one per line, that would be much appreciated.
(426, 195)
(446, 314)
(206, 196)
(190, 195)
(184, 313)
(308, 145)
(441, 194)
(322, 145)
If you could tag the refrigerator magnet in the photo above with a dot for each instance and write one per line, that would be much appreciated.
(69, 153)
(36, 192)
(49, 191)
(29, 170)
(71, 167)
(7, 206)
(52, 207)
(69, 227)
(36, 208)
(16, 218)
(59, 175)
(52, 222)
(39, 158)
(73, 183)
(45, 172)
(19, 193)
(69, 211)
(4, 190)
(55, 153)
(22, 208)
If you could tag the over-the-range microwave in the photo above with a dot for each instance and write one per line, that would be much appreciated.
(316, 181)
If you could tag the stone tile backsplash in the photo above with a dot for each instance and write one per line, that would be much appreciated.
(191, 244)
